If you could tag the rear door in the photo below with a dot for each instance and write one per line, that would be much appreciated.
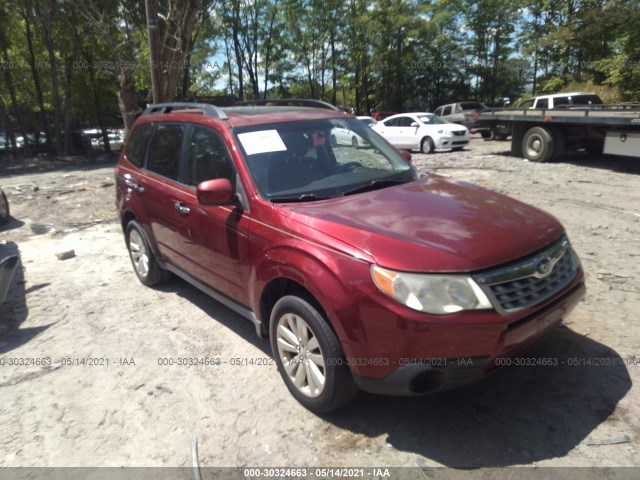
(389, 130)
(159, 183)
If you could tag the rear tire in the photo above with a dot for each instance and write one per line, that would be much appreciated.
(143, 260)
(4, 209)
(309, 356)
(427, 145)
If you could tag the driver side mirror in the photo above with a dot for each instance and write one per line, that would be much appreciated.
(218, 191)
(415, 124)
(406, 155)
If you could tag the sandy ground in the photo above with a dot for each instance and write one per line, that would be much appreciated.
(83, 379)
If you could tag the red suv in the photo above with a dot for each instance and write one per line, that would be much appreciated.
(365, 274)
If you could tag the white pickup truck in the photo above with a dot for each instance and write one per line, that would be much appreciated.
(562, 100)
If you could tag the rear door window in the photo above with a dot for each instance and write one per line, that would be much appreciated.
(165, 149)
(447, 111)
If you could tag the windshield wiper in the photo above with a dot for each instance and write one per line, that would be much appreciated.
(305, 197)
(374, 185)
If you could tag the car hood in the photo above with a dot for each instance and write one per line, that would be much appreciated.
(450, 127)
(433, 224)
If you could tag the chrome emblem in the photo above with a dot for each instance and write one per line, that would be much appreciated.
(544, 266)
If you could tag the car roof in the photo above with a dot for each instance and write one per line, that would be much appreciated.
(568, 94)
(257, 115)
(415, 114)
(243, 116)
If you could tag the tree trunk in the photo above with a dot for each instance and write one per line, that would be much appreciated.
(68, 103)
(157, 90)
(334, 69)
(235, 29)
(269, 42)
(12, 91)
(96, 100)
(11, 136)
(180, 22)
(127, 99)
(47, 30)
(44, 121)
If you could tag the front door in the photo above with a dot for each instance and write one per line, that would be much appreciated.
(213, 240)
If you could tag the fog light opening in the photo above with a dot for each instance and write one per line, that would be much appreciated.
(427, 381)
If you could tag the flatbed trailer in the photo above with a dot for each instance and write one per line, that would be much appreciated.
(540, 135)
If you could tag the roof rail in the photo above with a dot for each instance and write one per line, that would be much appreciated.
(292, 102)
(209, 110)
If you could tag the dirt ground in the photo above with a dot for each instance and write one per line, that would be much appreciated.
(82, 346)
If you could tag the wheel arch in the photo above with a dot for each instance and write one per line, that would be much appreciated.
(421, 143)
(305, 273)
(126, 218)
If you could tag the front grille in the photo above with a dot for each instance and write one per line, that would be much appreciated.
(459, 133)
(532, 280)
(461, 142)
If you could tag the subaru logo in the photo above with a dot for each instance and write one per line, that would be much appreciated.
(544, 266)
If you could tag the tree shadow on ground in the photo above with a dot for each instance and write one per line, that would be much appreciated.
(217, 311)
(579, 158)
(517, 416)
(42, 164)
(14, 310)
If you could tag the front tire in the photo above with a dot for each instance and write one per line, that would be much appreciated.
(143, 260)
(4, 209)
(538, 145)
(309, 356)
(427, 145)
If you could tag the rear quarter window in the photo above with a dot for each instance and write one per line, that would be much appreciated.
(137, 146)
(586, 100)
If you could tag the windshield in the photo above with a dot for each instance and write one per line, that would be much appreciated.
(319, 159)
(431, 119)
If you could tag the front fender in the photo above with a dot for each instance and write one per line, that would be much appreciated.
(328, 275)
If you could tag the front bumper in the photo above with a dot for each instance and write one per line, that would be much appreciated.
(467, 354)
(452, 141)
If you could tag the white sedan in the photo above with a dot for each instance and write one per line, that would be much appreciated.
(422, 131)
(345, 136)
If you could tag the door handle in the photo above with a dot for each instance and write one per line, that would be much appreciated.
(131, 184)
(182, 209)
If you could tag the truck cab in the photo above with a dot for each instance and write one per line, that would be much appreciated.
(564, 100)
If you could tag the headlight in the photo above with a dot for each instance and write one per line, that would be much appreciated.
(443, 132)
(436, 294)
